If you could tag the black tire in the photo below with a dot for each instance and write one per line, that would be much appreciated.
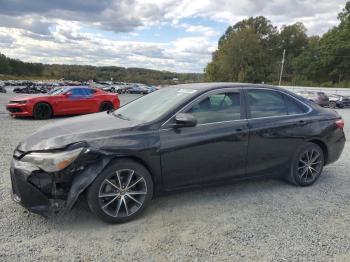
(106, 106)
(307, 165)
(114, 198)
(42, 111)
(332, 104)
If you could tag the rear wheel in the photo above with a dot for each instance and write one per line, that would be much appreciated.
(121, 192)
(307, 165)
(332, 104)
(106, 106)
(42, 111)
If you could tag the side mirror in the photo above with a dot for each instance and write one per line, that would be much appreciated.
(68, 93)
(185, 120)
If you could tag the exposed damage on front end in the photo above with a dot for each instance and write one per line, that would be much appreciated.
(44, 192)
(52, 167)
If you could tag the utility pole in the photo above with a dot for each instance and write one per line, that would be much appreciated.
(284, 53)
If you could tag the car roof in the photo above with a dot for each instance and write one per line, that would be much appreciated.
(215, 85)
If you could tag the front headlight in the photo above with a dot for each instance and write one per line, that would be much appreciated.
(52, 162)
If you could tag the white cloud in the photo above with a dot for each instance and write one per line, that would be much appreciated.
(52, 31)
(198, 29)
(183, 55)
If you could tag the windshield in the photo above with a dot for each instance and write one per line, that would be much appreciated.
(57, 91)
(154, 105)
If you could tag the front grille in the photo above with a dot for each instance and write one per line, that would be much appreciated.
(17, 102)
(14, 109)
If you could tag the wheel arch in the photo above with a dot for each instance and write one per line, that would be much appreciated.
(105, 102)
(323, 146)
(42, 102)
(144, 164)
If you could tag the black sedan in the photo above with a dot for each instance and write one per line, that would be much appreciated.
(175, 138)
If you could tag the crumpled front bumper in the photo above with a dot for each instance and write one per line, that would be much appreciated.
(39, 191)
(24, 192)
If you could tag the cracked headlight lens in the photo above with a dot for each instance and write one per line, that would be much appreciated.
(52, 162)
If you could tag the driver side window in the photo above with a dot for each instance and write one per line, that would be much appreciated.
(217, 108)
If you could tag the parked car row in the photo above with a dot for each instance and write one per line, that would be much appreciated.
(36, 87)
(32, 89)
(128, 88)
(324, 100)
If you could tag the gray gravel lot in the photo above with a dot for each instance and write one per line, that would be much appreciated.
(257, 220)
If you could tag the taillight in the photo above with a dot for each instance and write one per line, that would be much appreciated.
(340, 123)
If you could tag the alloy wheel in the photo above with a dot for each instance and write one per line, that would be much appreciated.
(42, 111)
(122, 194)
(309, 165)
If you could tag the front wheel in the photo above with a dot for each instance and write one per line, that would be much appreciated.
(307, 165)
(42, 111)
(121, 192)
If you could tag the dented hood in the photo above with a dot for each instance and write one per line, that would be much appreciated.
(88, 128)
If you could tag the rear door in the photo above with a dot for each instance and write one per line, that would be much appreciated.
(276, 128)
(212, 150)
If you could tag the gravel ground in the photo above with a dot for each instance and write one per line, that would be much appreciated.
(257, 220)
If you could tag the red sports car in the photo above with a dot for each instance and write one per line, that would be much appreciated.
(68, 100)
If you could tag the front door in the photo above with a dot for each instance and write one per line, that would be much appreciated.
(214, 149)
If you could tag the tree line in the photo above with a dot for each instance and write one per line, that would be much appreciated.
(9, 66)
(251, 51)
(13, 68)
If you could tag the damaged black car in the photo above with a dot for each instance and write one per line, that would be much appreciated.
(175, 138)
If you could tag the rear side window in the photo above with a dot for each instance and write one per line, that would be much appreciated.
(265, 103)
(89, 91)
(294, 107)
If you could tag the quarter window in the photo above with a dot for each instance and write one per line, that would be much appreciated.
(89, 91)
(265, 103)
(294, 107)
(217, 108)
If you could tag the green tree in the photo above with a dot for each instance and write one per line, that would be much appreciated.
(240, 57)
(246, 52)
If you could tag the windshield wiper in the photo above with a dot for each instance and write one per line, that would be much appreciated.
(121, 116)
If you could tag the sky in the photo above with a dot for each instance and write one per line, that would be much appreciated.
(172, 35)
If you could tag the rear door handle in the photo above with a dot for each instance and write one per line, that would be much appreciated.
(301, 122)
(239, 129)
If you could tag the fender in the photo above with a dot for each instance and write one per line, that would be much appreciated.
(84, 179)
